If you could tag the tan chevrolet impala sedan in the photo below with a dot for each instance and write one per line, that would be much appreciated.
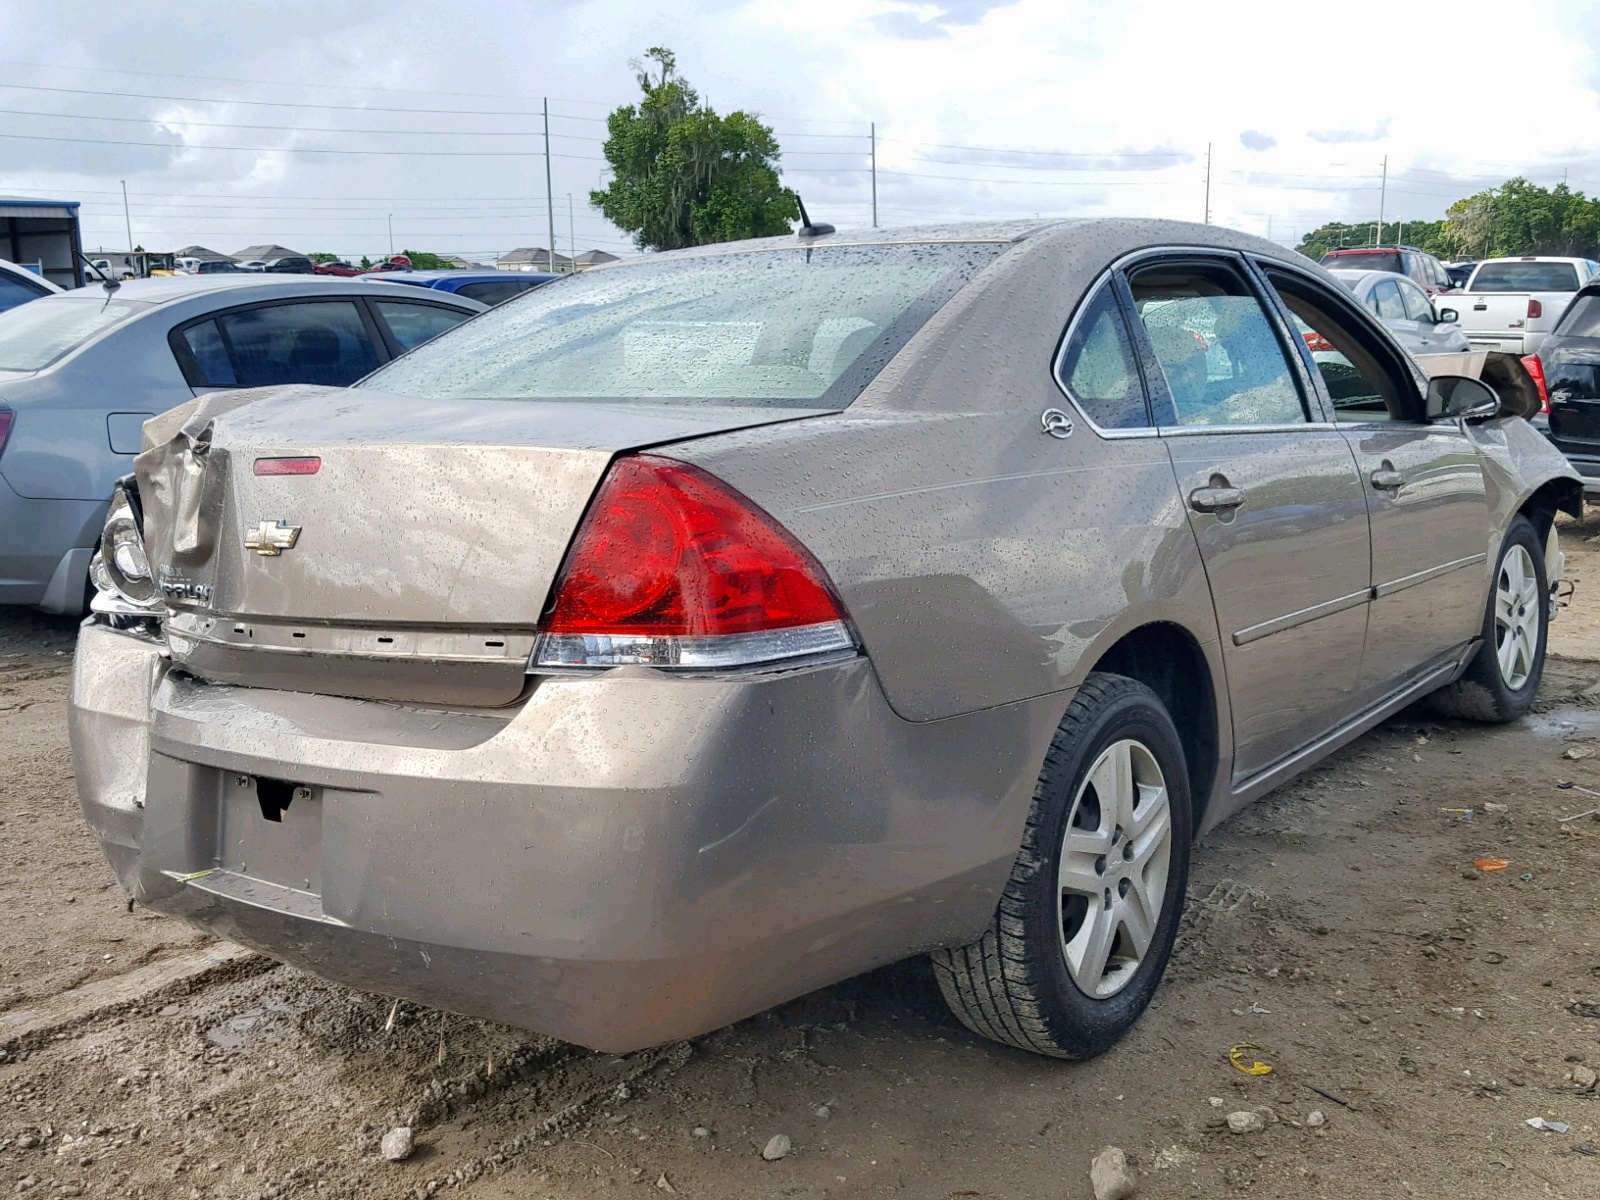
(710, 627)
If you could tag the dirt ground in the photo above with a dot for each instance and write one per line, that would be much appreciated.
(1426, 1009)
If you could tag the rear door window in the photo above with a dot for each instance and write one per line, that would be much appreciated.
(1386, 299)
(411, 324)
(1219, 352)
(322, 342)
(1098, 369)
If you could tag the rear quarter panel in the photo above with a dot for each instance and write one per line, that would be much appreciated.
(981, 560)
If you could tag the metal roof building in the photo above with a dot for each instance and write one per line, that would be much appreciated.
(43, 233)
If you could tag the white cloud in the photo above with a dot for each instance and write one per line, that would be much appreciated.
(1298, 122)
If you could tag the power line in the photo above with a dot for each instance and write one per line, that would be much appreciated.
(451, 112)
(522, 133)
(1060, 153)
(338, 87)
(31, 137)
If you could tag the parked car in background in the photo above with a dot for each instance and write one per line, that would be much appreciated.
(1460, 272)
(1511, 304)
(253, 264)
(1423, 269)
(341, 269)
(490, 286)
(1406, 311)
(395, 262)
(291, 265)
(18, 285)
(81, 371)
(218, 266)
(1568, 366)
(707, 628)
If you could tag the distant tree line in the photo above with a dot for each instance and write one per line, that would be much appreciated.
(1517, 217)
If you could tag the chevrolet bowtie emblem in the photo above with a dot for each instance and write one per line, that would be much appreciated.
(271, 538)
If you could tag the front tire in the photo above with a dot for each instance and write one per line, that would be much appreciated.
(1501, 681)
(1086, 924)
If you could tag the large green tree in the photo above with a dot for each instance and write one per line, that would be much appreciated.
(684, 176)
(1519, 217)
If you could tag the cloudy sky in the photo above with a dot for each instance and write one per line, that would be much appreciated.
(315, 124)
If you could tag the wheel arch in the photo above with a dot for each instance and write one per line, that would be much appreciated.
(1560, 494)
(1167, 659)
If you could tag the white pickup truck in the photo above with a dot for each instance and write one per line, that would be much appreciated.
(1512, 304)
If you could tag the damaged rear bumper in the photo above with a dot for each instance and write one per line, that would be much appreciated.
(619, 861)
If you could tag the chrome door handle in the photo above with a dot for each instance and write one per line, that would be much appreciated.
(1387, 480)
(1215, 499)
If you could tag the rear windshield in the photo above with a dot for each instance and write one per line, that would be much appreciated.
(1364, 260)
(1525, 277)
(806, 327)
(35, 335)
(1582, 319)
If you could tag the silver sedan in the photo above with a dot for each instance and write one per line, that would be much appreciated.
(702, 629)
(1410, 314)
(81, 371)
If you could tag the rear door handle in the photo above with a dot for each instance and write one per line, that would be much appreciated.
(1387, 480)
(1215, 499)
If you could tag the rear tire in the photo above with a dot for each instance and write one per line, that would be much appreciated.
(1501, 681)
(1086, 924)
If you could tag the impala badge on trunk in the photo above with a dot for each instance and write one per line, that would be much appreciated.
(271, 538)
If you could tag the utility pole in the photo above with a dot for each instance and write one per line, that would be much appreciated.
(549, 191)
(1383, 195)
(1208, 183)
(572, 236)
(1269, 229)
(391, 235)
(873, 134)
(127, 221)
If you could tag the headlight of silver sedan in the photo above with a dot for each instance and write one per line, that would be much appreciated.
(122, 562)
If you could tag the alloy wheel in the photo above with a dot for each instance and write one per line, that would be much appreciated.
(1516, 617)
(1115, 857)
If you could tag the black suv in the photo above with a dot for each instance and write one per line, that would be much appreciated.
(1426, 271)
(295, 265)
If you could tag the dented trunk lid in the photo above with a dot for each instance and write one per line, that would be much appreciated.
(416, 560)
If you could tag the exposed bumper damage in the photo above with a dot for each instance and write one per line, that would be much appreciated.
(605, 863)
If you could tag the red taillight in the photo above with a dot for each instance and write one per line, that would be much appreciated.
(288, 466)
(1536, 370)
(1535, 309)
(672, 567)
(7, 418)
(1315, 341)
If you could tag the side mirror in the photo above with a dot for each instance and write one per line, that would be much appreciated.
(1448, 316)
(1453, 397)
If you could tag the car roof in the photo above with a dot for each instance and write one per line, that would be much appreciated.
(465, 274)
(241, 288)
(1361, 277)
(1371, 250)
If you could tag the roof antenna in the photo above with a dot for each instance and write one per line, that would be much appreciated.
(110, 285)
(807, 229)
